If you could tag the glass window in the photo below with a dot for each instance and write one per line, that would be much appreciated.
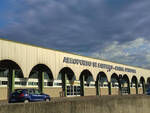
(30, 91)
(4, 82)
(36, 91)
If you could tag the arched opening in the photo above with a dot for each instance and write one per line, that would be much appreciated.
(114, 84)
(86, 81)
(148, 82)
(40, 77)
(134, 85)
(147, 86)
(125, 85)
(67, 77)
(102, 84)
(142, 84)
(11, 76)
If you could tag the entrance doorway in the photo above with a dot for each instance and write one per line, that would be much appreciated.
(73, 90)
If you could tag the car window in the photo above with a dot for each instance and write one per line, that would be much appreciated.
(30, 91)
(36, 91)
(19, 91)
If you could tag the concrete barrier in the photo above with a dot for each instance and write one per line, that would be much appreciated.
(95, 104)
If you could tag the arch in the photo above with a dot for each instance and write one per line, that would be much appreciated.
(10, 70)
(101, 81)
(134, 83)
(142, 84)
(126, 84)
(148, 81)
(41, 68)
(142, 80)
(115, 80)
(86, 79)
(69, 72)
(38, 74)
(88, 76)
(102, 78)
(125, 79)
(5, 65)
(66, 75)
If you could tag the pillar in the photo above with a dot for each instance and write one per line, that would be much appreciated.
(120, 88)
(97, 88)
(11, 81)
(136, 87)
(41, 81)
(143, 86)
(129, 92)
(65, 85)
(109, 88)
(82, 85)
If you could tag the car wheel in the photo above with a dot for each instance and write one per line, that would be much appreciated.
(26, 101)
(47, 100)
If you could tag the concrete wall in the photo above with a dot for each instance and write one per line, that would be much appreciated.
(3, 93)
(89, 91)
(114, 91)
(133, 90)
(104, 104)
(53, 91)
(104, 91)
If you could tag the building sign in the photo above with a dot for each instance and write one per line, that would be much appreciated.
(96, 65)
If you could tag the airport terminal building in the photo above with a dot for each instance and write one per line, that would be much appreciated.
(64, 74)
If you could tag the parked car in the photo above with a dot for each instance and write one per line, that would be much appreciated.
(28, 95)
(148, 91)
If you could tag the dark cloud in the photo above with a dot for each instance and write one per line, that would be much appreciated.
(79, 26)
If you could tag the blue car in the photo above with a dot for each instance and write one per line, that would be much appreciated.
(148, 91)
(28, 95)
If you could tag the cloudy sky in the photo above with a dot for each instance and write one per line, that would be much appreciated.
(114, 30)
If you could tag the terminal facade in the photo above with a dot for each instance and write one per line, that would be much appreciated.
(64, 74)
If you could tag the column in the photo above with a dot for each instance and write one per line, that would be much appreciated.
(143, 85)
(97, 87)
(136, 88)
(41, 81)
(109, 88)
(11, 81)
(129, 92)
(82, 85)
(65, 85)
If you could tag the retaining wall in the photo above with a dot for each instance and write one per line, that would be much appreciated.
(94, 104)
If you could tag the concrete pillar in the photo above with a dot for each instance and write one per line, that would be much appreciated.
(120, 88)
(129, 92)
(97, 88)
(82, 85)
(143, 86)
(11, 81)
(65, 85)
(109, 88)
(136, 86)
(41, 81)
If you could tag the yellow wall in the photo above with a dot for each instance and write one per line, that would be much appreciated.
(89, 91)
(103, 91)
(3, 93)
(53, 91)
